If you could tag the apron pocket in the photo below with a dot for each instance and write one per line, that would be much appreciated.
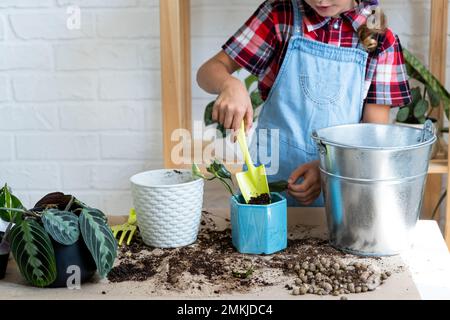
(322, 92)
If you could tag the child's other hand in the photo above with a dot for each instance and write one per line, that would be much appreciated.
(233, 105)
(309, 190)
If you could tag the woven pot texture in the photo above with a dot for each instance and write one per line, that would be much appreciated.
(168, 206)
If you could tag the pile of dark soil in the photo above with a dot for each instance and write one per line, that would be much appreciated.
(212, 265)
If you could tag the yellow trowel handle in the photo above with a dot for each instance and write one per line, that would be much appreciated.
(242, 139)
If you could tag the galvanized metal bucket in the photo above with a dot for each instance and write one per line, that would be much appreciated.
(373, 179)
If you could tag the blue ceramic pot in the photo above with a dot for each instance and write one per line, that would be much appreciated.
(259, 229)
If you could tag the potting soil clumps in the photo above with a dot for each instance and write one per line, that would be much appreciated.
(212, 266)
(263, 199)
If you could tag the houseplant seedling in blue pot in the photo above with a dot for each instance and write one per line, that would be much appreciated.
(255, 228)
(259, 229)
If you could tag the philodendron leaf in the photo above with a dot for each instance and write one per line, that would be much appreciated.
(435, 99)
(403, 114)
(196, 172)
(222, 131)
(62, 226)
(99, 239)
(33, 251)
(428, 79)
(416, 95)
(421, 109)
(251, 79)
(207, 118)
(8, 200)
(218, 169)
(422, 120)
(256, 99)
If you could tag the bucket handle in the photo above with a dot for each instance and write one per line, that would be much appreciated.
(428, 131)
(320, 145)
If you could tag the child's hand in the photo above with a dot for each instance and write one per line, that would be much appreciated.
(309, 190)
(233, 105)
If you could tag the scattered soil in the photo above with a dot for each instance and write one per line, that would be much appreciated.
(263, 199)
(212, 266)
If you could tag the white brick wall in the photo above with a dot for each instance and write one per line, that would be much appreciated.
(80, 110)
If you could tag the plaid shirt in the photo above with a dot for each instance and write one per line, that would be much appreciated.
(260, 46)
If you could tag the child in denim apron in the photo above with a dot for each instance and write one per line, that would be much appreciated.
(320, 63)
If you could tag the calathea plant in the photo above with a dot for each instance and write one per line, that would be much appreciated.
(62, 218)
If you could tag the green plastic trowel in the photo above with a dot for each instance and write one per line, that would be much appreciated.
(253, 182)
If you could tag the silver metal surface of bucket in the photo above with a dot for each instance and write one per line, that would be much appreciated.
(373, 179)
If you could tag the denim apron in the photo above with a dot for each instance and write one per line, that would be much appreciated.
(319, 85)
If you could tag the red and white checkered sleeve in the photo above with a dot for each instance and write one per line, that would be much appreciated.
(253, 45)
(390, 85)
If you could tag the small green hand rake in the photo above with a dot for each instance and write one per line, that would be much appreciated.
(129, 228)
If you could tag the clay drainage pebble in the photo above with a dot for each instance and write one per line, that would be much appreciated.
(212, 266)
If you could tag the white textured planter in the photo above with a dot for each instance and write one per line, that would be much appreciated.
(168, 206)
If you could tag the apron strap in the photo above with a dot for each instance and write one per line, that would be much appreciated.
(298, 21)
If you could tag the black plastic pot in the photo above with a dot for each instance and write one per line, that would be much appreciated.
(74, 255)
(3, 260)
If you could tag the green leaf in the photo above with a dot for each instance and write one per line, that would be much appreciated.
(207, 118)
(435, 99)
(403, 114)
(256, 99)
(8, 200)
(428, 78)
(412, 73)
(222, 131)
(251, 79)
(416, 95)
(421, 109)
(33, 251)
(422, 120)
(218, 169)
(99, 239)
(196, 172)
(278, 186)
(221, 172)
(99, 214)
(62, 226)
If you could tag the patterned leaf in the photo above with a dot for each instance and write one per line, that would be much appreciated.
(435, 99)
(33, 251)
(97, 213)
(99, 239)
(62, 226)
(8, 200)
